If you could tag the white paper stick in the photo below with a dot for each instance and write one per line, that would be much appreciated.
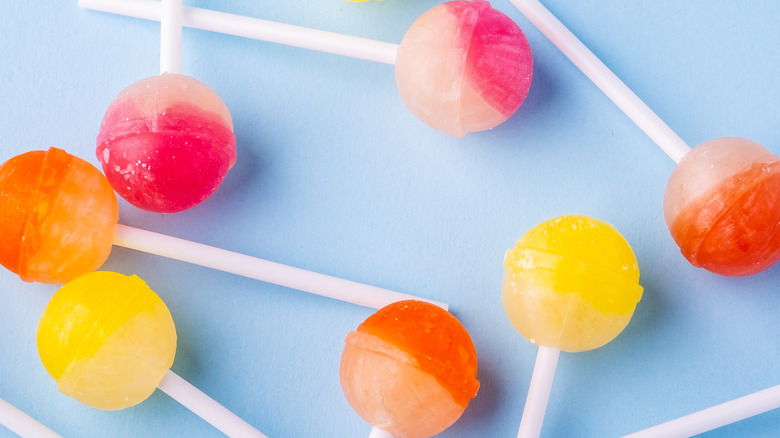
(379, 433)
(716, 416)
(255, 28)
(206, 408)
(170, 36)
(259, 269)
(538, 392)
(603, 77)
(22, 424)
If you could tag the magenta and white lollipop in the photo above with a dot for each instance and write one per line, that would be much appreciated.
(462, 66)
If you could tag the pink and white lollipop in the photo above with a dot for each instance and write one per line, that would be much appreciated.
(166, 142)
(462, 66)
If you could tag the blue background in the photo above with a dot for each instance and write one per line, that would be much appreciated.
(334, 175)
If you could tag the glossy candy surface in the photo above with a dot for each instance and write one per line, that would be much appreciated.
(166, 143)
(409, 369)
(722, 208)
(107, 339)
(57, 215)
(463, 67)
(571, 283)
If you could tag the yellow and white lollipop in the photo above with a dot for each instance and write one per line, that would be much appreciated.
(571, 284)
(109, 341)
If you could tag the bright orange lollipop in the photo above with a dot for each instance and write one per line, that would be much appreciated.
(58, 215)
(409, 369)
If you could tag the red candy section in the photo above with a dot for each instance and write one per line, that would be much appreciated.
(58, 216)
(166, 143)
(734, 229)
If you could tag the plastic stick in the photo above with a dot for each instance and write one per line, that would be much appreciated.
(255, 28)
(170, 36)
(538, 392)
(22, 424)
(259, 269)
(379, 433)
(603, 77)
(716, 416)
(205, 407)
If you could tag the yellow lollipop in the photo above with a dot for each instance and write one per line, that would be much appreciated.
(109, 341)
(571, 284)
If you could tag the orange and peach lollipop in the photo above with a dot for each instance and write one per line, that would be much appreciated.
(409, 370)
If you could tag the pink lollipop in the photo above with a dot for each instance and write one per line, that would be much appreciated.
(720, 202)
(166, 142)
(461, 67)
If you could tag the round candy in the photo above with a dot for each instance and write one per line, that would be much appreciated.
(721, 206)
(58, 216)
(409, 369)
(463, 67)
(166, 143)
(107, 339)
(571, 283)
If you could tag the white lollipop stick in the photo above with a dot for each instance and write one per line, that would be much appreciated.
(603, 77)
(170, 36)
(255, 28)
(538, 392)
(259, 269)
(205, 407)
(716, 416)
(22, 424)
(379, 433)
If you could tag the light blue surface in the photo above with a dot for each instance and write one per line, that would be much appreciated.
(334, 175)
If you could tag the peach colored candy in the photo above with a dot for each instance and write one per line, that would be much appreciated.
(409, 369)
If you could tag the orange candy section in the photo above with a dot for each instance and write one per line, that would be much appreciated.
(733, 230)
(58, 216)
(433, 337)
(722, 209)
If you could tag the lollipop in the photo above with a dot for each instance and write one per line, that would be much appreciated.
(409, 370)
(719, 202)
(22, 424)
(461, 67)
(571, 284)
(715, 416)
(59, 218)
(108, 341)
(166, 142)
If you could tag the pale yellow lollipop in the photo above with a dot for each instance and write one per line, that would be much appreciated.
(107, 339)
(572, 284)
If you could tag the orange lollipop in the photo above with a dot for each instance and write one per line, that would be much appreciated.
(409, 369)
(59, 216)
